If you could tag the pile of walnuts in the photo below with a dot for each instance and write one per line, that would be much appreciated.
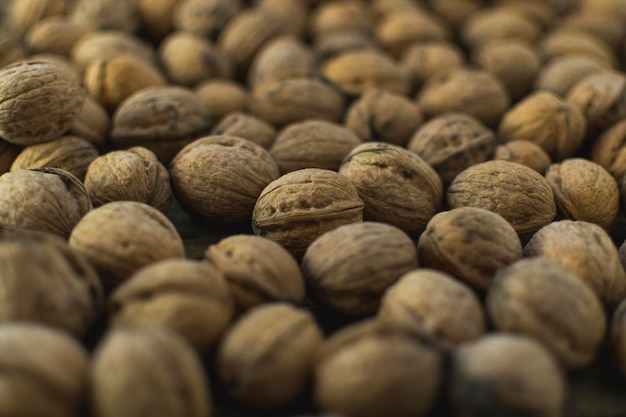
(419, 205)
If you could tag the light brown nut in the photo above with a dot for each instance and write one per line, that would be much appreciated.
(257, 270)
(470, 244)
(452, 143)
(106, 14)
(37, 361)
(122, 237)
(606, 27)
(266, 358)
(498, 23)
(131, 175)
(424, 60)
(204, 17)
(293, 15)
(483, 373)
(567, 42)
(106, 44)
(55, 34)
(11, 48)
(39, 101)
(156, 17)
(397, 186)
(524, 152)
(349, 268)
(455, 12)
(22, 15)
(618, 337)
(188, 297)
(43, 199)
(221, 177)
(158, 361)
(341, 16)
(92, 123)
(609, 150)
(436, 304)
(8, 153)
(312, 144)
(331, 44)
(541, 12)
(586, 250)
(372, 370)
(222, 97)
(382, 8)
(539, 298)
(560, 74)
(517, 193)
(301, 205)
(247, 127)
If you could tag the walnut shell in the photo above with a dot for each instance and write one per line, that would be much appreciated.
(397, 186)
(293, 15)
(524, 152)
(106, 44)
(247, 127)
(22, 15)
(561, 74)
(567, 42)
(55, 34)
(424, 60)
(455, 12)
(222, 97)
(329, 45)
(609, 149)
(106, 14)
(498, 23)
(204, 17)
(342, 16)
(156, 17)
(301, 205)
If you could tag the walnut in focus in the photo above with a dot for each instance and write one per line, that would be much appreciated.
(246, 126)
(524, 152)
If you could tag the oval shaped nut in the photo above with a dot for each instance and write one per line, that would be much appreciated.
(39, 101)
(22, 15)
(11, 49)
(539, 298)
(424, 60)
(562, 73)
(571, 42)
(223, 97)
(524, 152)
(156, 17)
(106, 14)
(349, 16)
(204, 17)
(517, 193)
(618, 337)
(609, 150)
(92, 123)
(106, 44)
(54, 34)
(296, 208)
(246, 126)
(498, 23)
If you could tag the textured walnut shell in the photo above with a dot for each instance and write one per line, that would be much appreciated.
(424, 60)
(92, 123)
(121, 237)
(204, 17)
(106, 44)
(163, 119)
(266, 359)
(470, 244)
(69, 153)
(397, 186)
(312, 144)
(349, 268)
(55, 34)
(247, 127)
(258, 270)
(38, 102)
(609, 149)
(475, 92)
(546, 119)
(524, 152)
(301, 205)
(35, 263)
(161, 363)
(106, 14)
(517, 193)
(156, 17)
(618, 337)
(189, 297)
(58, 364)
(578, 185)
(131, 175)
(496, 24)
(222, 97)
(221, 177)
(43, 199)
(551, 304)
(372, 370)
(11, 49)
(586, 250)
(345, 16)
(561, 74)
(8, 153)
(379, 115)
(22, 15)
(452, 143)
(483, 373)
(435, 304)
(568, 42)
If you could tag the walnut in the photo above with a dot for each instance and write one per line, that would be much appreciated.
(383, 8)
(609, 149)
(498, 23)
(266, 359)
(301, 205)
(397, 186)
(121, 237)
(204, 17)
(156, 17)
(11, 49)
(455, 12)
(606, 27)
(8, 153)
(567, 42)
(22, 15)
(561, 74)
(341, 16)
(452, 143)
(157, 360)
(222, 97)
(424, 60)
(293, 15)
(541, 299)
(329, 45)
(106, 14)
(524, 152)
(436, 304)
(131, 175)
(39, 101)
(221, 177)
(107, 44)
(585, 249)
(247, 127)
(55, 34)
(541, 12)
(92, 123)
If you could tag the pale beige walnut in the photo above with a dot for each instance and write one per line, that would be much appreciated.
(204, 17)
(11, 49)
(43, 199)
(36, 263)
(134, 174)
(222, 97)
(122, 237)
(312, 144)
(424, 60)
(524, 152)
(188, 297)
(618, 337)
(517, 193)
(371, 370)
(609, 149)
(397, 186)
(55, 34)
(504, 374)
(541, 299)
(497, 23)
(301, 205)
(156, 17)
(257, 270)
(266, 358)
(568, 42)
(92, 123)
(349, 268)
(560, 74)
(23, 14)
(106, 44)
(451, 143)
(585, 249)
(475, 92)
(36, 362)
(39, 101)
(106, 14)
(297, 99)
(141, 372)
(221, 177)
(341, 16)
(469, 243)
(578, 186)
(328, 45)
(246, 126)
(380, 115)
(162, 119)
(8, 153)
(436, 304)
(69, 153)
(292, 15)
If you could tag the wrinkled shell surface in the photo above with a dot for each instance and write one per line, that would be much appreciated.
(601, 97)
